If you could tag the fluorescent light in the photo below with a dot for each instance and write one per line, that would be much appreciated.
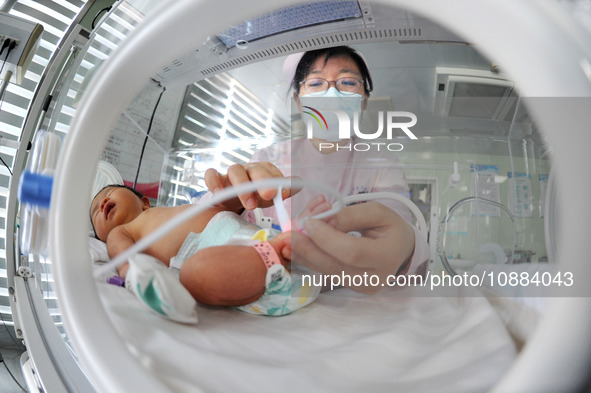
(290, 18)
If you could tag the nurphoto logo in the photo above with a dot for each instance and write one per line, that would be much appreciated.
(334, 124)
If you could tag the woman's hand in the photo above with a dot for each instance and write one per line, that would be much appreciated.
(387, 242)
(238, 174)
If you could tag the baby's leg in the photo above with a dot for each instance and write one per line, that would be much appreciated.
(228, 275)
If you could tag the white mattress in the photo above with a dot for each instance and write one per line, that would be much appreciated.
(395, 341)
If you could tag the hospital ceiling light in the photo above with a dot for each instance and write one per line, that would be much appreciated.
(290, 18)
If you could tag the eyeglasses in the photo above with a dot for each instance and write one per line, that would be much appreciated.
(344, 85)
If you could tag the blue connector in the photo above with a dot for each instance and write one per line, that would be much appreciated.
(35, 189)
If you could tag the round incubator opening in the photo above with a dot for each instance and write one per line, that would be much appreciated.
(556, 93)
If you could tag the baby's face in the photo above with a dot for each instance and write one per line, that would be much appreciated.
(115, 206)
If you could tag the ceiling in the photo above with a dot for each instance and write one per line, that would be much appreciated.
(403, 52)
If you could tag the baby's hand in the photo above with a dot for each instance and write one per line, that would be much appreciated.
(122, 269)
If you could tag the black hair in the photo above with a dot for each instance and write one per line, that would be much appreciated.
(136, 192)
(306, 62)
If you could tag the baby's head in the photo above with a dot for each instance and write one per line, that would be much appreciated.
(115, 205)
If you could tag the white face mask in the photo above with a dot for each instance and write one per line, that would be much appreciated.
(348, 103)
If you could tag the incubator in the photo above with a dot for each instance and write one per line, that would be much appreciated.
(159, 92)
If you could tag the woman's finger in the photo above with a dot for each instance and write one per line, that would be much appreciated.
(312, 206)
(307, 253)
(260, 171)
(333, 272)
(236, 175)
(351, 251)
(213, 180)
(364, 216)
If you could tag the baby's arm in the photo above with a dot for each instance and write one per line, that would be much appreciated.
(227, 275)
(119, 240)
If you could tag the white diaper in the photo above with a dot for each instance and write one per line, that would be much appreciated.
(159, 289)
(225, 228)
(284, 292)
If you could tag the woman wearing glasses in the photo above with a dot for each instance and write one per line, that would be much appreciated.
(383, 244)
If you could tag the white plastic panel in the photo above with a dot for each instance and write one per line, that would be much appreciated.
(126, 72)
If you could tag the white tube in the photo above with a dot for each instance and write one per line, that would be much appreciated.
(217, 198)
(454, 178)
(550, 221)
(282, 214)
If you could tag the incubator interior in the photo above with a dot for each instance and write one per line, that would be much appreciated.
(480, 173)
